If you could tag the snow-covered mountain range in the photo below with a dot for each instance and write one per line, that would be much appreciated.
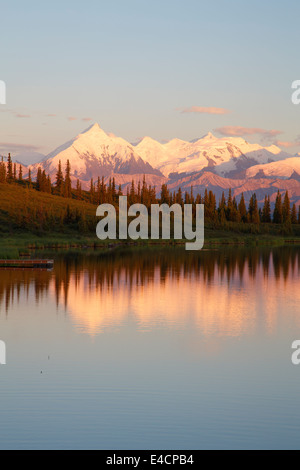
(287, 168)
(95, 153)
(208, 162)
(226, 156)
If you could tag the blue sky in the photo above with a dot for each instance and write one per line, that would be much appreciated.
(134, 66)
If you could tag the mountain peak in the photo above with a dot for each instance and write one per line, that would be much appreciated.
(148, 140)
(175, 142)
(94, 128)
(95, 153)
(210, 136)
(207, 137)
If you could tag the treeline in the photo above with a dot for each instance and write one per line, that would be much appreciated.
(227, 209)
(40, 218)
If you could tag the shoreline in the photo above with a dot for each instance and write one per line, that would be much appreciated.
(24, 244)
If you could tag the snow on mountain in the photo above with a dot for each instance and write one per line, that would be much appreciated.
(288, 168)
(207, 162)
(95, 153)
(226, 156)
(152, 151)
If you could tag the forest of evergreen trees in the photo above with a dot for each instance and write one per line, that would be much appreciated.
(227, 209)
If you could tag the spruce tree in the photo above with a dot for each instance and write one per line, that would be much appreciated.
(266, 212)
(277, 215)
(29, 179)
(253, 210)
(92, 191)
(294, 215)
(242, 209)
(59, 183)
(2, 171)
(38, 185)
(286, 209)
(68, 186)
(78, 190)
(20, 173)
(9, 169)
(132, 194)
(164, 196)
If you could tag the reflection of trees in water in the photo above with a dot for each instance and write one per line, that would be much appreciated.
(13, 283)
(138, 267)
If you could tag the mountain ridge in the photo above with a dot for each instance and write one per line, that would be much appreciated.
(207, 162)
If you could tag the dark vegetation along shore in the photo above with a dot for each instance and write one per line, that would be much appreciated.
(37, 214)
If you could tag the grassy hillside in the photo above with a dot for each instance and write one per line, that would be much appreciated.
(32, 218)
(31, 211)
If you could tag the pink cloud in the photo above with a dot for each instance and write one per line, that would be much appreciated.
(10, 146)
(72, 118)
(22, 115)
(87, 119)
(16, 113)
(238, 131)
(287, 144)
(201, 110)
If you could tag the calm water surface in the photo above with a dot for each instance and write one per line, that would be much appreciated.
(157, 349)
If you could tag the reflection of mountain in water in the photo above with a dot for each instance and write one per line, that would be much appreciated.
(215, 291)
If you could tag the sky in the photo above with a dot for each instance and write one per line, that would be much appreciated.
(164, 68)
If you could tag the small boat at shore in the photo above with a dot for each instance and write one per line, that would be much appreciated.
(26, 264)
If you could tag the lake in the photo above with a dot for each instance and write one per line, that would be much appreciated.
(152, 349)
